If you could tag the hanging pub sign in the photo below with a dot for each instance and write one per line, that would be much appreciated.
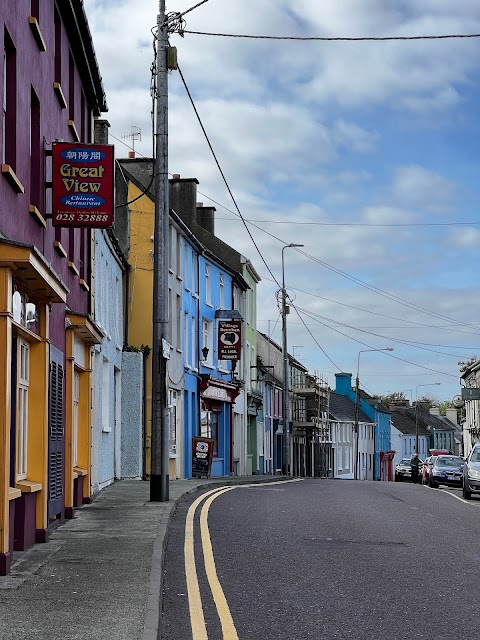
(83, 185)
(229, 339)
(202, 454)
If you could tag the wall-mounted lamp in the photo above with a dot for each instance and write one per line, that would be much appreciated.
(205, 351)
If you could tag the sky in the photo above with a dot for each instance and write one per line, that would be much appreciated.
(365, 152)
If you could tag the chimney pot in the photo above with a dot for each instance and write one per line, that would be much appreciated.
(131, 154)
(199, 204)
(176, 176)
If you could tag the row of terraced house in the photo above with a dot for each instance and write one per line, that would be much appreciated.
(76, 309)
(76, 304)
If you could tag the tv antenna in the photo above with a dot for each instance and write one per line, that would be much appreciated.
(135, 134)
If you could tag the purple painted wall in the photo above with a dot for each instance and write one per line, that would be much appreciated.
(36, 69)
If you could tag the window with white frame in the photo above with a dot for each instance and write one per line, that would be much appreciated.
(209, 428)
(76, 401)
(172, 436)
(170, 315)
(187, 276)
(179, 321)
(194, 273)
(207, 340)
(106, 427)
(186, 335)
(193, 333)
(222, 290)
(208, 284)
(171, 248)
(23, 367)
(179, 255)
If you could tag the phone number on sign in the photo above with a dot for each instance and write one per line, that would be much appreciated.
(82, 217)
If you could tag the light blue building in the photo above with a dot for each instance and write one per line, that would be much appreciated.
(217, 392)
(190, 314)
(107, 363)
(380, 415)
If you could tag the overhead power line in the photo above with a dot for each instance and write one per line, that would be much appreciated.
(450, 375)
(362, 224)
(448, 36)
(223, 176)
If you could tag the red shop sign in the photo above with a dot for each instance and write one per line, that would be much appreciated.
(83, 185)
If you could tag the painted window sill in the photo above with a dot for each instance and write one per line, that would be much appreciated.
(59, 248)
(37, 34)
(57, 87)
(73, 268)
(80, 471)
(11, 176)
(28, 486)
(13, 494)
(84, 285)
(35, 213)
(73, 130)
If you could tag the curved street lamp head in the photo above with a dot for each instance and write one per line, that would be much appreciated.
(287, 246)
(428, 384)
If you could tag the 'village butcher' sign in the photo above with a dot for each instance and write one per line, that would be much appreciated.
(83, 185)
(229, 339)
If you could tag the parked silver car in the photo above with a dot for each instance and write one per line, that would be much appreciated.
(471, 473)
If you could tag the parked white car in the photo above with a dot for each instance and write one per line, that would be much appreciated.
(471, 473)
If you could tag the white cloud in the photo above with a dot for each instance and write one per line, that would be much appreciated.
(309, 132)
(419, 186)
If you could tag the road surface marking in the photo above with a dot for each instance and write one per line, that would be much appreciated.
(472, 504)
(197, 619)
(223, 610)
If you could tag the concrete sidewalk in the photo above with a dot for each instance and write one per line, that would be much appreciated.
(100, 575)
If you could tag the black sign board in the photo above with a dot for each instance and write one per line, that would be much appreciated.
(202, 454)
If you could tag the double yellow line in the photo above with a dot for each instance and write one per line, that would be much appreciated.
(197, 619)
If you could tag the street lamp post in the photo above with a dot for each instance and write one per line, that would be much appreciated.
(285, 364)
(430, 384)
(357, 404)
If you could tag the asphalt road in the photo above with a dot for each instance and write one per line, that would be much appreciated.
(327, 559)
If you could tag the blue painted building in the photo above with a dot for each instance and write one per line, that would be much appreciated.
(210, 269)
(217, 392)
(190, 314)
(380, 415)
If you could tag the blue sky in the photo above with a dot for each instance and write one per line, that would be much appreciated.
(380, 136)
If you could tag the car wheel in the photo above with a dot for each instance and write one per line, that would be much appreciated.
(432, 484)
(397, 478)
(466, 493)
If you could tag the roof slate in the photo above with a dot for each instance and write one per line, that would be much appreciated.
(343, 409)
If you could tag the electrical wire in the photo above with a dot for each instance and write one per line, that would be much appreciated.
(314, 339)
(371, 347)
(348, 276)
(416, 345)
(175, 16)
(383, 293)
(449, 36)
(361, 224)
(382, 315)
(224, 178)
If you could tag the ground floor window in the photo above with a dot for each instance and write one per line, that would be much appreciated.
(76, 401)
(209, 428)
(172, 441)
(22, 412)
